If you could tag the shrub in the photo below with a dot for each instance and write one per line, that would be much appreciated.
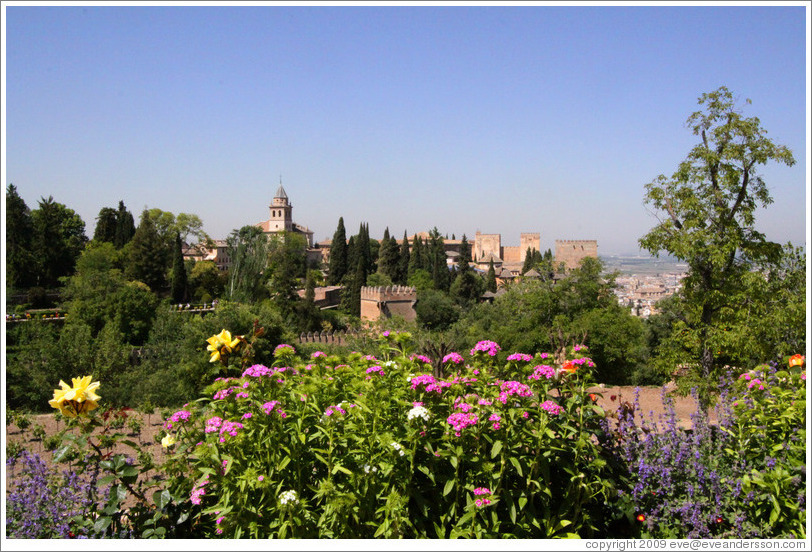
(744, 478)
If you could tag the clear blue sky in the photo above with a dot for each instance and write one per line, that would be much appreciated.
(498, 119)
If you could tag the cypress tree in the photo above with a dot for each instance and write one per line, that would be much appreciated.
(106, 225)
(403, 262)
(490, 281)
(19, 239)
(147, 259)
(389, 257)
(528, 260)
(125, 226)
(415, 257)
(179, 278)
(338, 254)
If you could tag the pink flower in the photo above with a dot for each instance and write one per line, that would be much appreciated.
(520, 357)
(551, 407)
(454, 358)
(246, 415)
(479, 491)
(489, 347)
(261, 478)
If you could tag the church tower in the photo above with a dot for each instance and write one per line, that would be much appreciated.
(281, 212)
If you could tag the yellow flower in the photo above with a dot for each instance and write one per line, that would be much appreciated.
(221, 345)
(76, 400)
(167, 441)
(796, 360)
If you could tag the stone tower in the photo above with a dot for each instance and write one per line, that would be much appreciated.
(281, 212)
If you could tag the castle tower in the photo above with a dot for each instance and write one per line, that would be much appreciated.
(281, 212)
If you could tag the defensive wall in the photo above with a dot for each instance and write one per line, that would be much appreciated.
(387, 301)
(571, 252)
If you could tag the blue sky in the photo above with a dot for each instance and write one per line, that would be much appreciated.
(498, 119)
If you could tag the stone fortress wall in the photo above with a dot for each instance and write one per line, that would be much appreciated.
(387, 301)
(570, 252)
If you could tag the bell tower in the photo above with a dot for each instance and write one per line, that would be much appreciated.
(281, 212)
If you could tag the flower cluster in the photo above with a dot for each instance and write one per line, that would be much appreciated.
(319, 354)
(179, 416)
(271, 406)
(454, 358)
(489, 347)
(510, 388)
(288, 497)
(482, 492)
(521, 357)
(339, 408)
(421, 358)
(283, 349)
(460, 420)
(551, 407)
(376, 370)
(542, 371)
(198, 491)
(419, 411)
(398, 447)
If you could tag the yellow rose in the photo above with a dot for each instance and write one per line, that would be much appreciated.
(221, 345)
(76, 400)
(167, 441)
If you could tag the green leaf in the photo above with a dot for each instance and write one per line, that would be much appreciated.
(102, 524)
(61, 452)
(516, 464)
(497, 447)
(448, 486)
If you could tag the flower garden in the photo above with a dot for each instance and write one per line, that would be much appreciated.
(382, 444)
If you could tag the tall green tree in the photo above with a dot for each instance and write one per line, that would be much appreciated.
(20, 263)
(180, 281)
(148, 254)
(389, 257)
(416, 257)
(286, 268)
(125, 226)
(248, 250)
(490, 279)
(437, 259)
(467, 286)
(106, 225)
(403, 261)
(706, 211)
(59, 238)
(338, 255)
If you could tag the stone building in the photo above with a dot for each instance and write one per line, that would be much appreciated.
(281, 218)
(571, 252)
(385, 302)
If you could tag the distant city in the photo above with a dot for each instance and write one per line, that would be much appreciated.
(644, 280)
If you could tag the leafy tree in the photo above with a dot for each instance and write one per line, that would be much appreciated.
(185, 224)
(707, 215)
(125, 226)
(106, 225)
(248, 250)
(421, 279)
(206, 281)
(309, 319)
(147, 258)
(20, 261)
(179, 280)
(286, 267)
(59, 238)
(338, 254)
(435, 310)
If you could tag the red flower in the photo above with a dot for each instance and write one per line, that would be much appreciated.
(593, 397)
(719, 520)
(796, 360)
(569, 367)
(641, 518)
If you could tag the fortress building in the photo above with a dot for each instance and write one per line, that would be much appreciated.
(281, 213)
(385, 302)
(571, 252)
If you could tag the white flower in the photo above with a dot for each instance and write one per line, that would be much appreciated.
(418, 412)
(288, 496)
(368, 468)
(398, 448)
